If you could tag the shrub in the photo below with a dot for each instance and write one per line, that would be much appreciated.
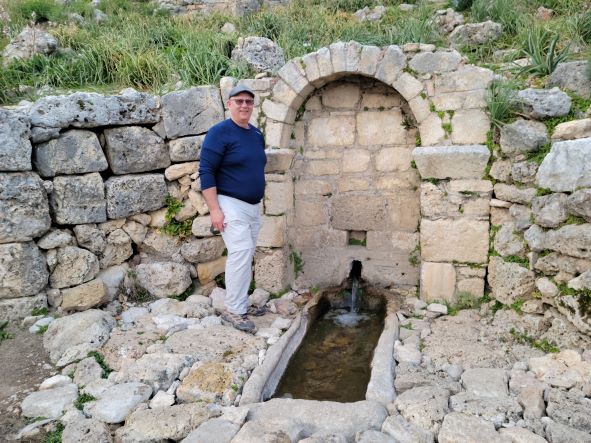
(501, 102)
(506, 12)
(542, 50)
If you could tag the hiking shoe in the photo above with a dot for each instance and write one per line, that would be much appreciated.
(256, 311)
(239, 321)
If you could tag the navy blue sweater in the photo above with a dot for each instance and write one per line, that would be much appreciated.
(233, 160)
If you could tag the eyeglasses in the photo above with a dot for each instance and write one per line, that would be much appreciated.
(243, 101)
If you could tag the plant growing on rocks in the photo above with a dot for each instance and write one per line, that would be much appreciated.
(172, 226)
(501, 102)
(541, 48)
(55, 436)
(100, 359)
(4, 334)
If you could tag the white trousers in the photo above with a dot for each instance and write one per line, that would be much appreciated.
(242, 223)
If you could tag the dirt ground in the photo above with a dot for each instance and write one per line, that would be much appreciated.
(24, 364)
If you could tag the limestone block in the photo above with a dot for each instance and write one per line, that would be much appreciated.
(292, 73)
(524, 172)
(321, 153)
(469, 126)
(391, 65)
(358, 212)
(311, 67)
(91, 238)
(523, 136)
(160, 245)
(200, 227)
(278, 111)
(15, 151)
(313, 187)
(550, 210)
(324, 63)
(208, 271)
(438, 282)
(460, 240)
(420, 108)
(371, 125)
(90, 110)
(117, 250)
(23, 271)
(567, 166)
(332, 131)
(278, 160)
(351, 184)
(323, 167)
(356, 160)
(431, 130)
(277, 134)
(192, 111)
(405, 179)
(270, 269)
(85, 296)
(163, 279)
(134, 194)
(573, 129)
(185, 149)
(451, 161)
(17, 308)
(408, 86)
(466, 78)
(473, 286)
(272, 234)
(24, 210)
(338, 57)
(74, 152)
(352, 56)
(434, 62)
(74, 266)
(453, 101)
(507, 242)
(197, 201)
(198, 250)
(278, 197)
(368, 60)
(572, 76)
(179, 170)
(135, 149)
(544, 103)
(78, 199)
(393, 159)
(509, 281)
(341, 96)
(310, 213)
(579, 203)
(573, 240)
(380, 98)
(514, 194)
(437, 203)
(501, 170)
(404, 210)
(283, 93)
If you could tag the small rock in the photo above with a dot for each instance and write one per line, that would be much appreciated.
(437, 308)
(162, 399)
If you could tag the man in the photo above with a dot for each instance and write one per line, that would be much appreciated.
(233, 183)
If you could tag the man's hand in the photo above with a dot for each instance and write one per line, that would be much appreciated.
(217, 219)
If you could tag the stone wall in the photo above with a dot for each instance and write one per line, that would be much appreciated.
(374, 154)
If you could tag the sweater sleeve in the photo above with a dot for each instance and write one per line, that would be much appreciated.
(212, 152)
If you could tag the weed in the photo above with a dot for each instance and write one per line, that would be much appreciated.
(517, 305)
(497, 306)
(357, 242)
(540, 192)
(42, 329)
(575, 220)
(524, 262)
(227, 353)
(220, 280)
(298, 263)
(583, 297)
(55, 436)
(172, 226)
(39, 311)
(447, 128)
(4, 334)
(543, 345)
(184, 295)
(132, 274)
(418, 141)
(407, 326)
(100, 359)
(413, 164)
(284, 291)
(501, 102)
(539, 156)
(82, 399)
(414, 257)
(543, 53)
(234, 387)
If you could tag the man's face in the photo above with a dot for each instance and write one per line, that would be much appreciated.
(240, 107)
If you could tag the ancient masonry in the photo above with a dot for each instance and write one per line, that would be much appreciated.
(375, 154)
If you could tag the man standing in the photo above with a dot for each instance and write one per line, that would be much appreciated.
(232, 174)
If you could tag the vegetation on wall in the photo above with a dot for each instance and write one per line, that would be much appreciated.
(141, 46)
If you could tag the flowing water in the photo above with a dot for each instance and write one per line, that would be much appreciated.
(333, 362)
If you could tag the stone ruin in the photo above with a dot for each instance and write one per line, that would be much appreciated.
(375, 155)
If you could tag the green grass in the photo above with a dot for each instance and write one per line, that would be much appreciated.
(4, 334)
(55, 436)
(82, 399)
(100, 359)
(172, 226)
(39, 311)
(543, 345)
(296, 260)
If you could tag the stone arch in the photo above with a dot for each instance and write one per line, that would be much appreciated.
(447, 100)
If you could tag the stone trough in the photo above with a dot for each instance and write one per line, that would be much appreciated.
(265, 379)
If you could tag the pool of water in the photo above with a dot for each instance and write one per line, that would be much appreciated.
(333, 361)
